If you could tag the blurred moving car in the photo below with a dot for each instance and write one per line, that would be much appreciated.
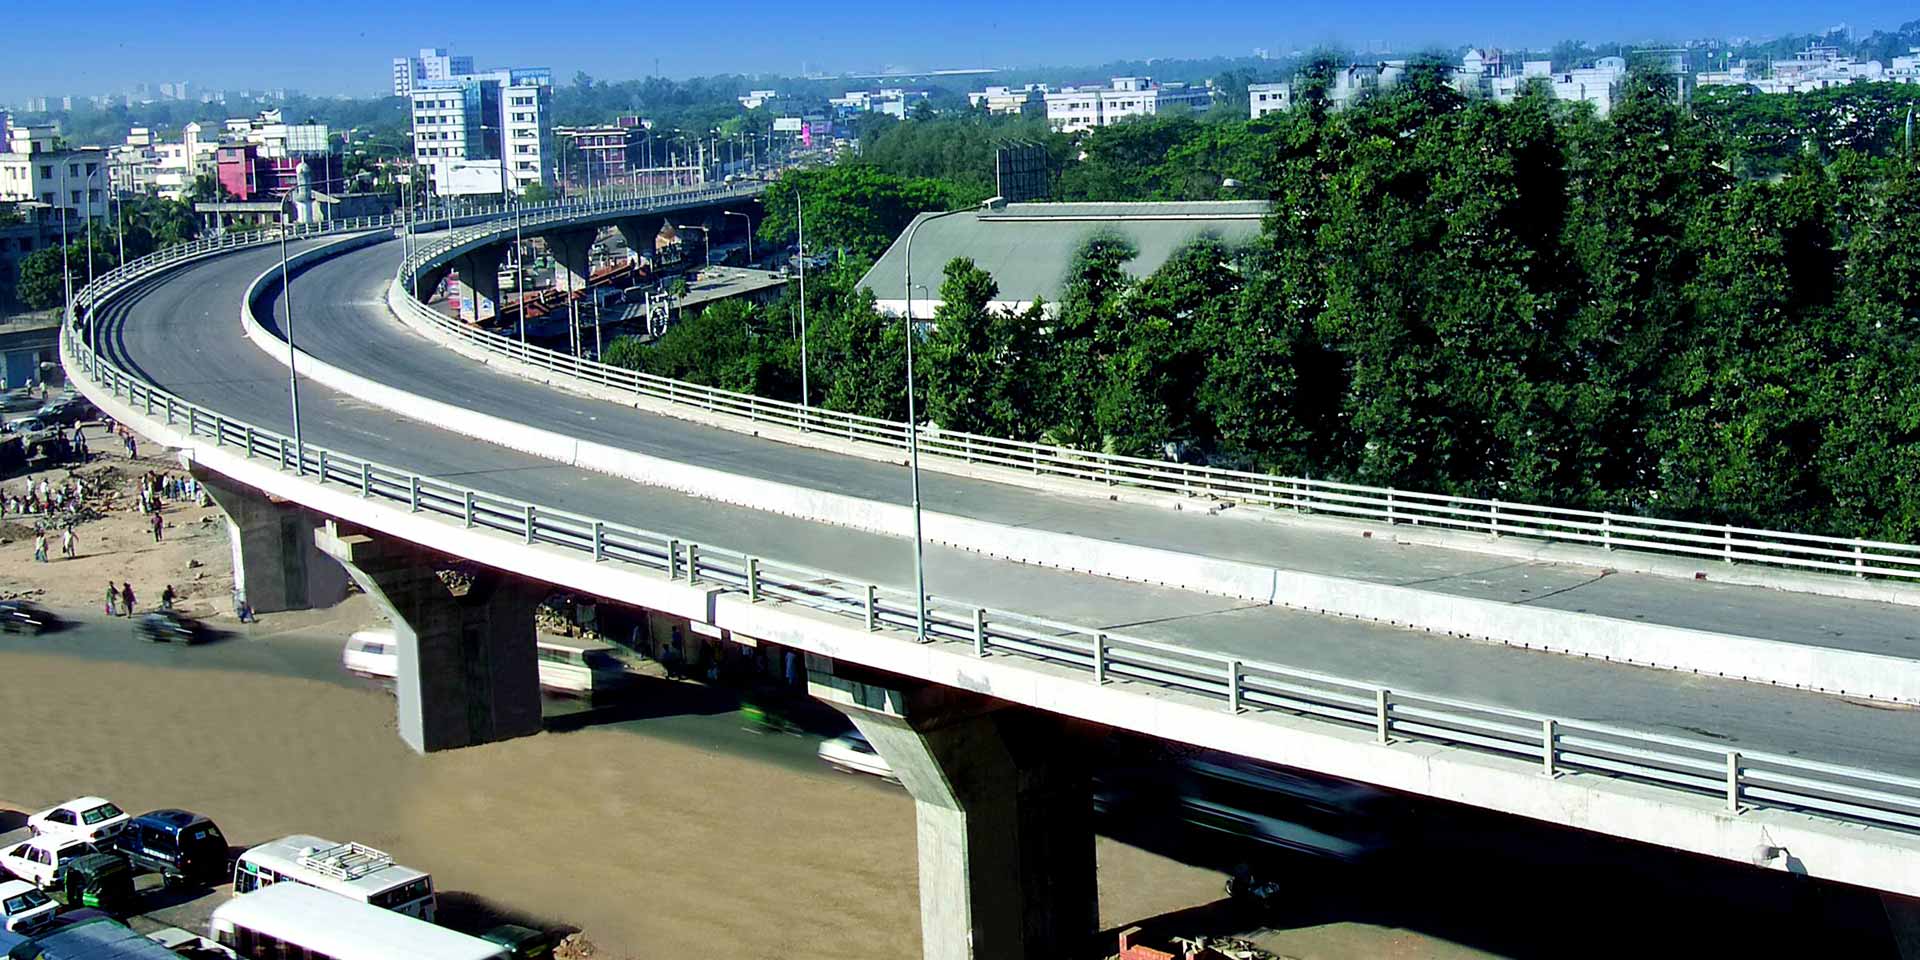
(23, 907)
(21, 616)
(43, 860)
(67, 410)
(580, 669)
(166, 626)
(85, 818)
(371, 654)
(851, 753)
(522, 943)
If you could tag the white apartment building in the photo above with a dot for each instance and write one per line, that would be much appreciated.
(433, 63)
(1011, 101)
(1074, 109)
(1265, 98)
(1815, 68)
(497, 115)
(755, 99)
(892, 102)
(1359, 80)
(75, 180)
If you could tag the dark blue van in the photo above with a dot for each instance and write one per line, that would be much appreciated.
(182, 846)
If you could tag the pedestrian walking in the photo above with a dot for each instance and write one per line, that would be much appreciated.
(158, 523)
(40, 546)
(113, 598)
(69, 546)
(241, 608)
(166, 598)
(126, 596)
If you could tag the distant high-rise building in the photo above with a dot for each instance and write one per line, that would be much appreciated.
(433, 63)
(498, 117)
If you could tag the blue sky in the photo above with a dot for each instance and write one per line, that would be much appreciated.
(345, 46)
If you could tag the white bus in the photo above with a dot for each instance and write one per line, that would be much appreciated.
(288, 921)
(351, 870)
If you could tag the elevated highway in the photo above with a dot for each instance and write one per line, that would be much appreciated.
(178, 331)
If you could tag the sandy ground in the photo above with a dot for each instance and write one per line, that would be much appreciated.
(651, 848)
(119, 546)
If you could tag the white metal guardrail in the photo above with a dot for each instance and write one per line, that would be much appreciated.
(1607, 530)
(1560, 747)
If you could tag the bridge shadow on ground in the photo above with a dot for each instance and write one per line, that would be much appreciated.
(653, 697)
(1523, 889)
(473, 914)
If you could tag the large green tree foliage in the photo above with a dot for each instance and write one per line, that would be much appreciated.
(851, 208)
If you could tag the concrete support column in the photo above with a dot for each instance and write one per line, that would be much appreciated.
(468, 673)
(430, 280)
(1903, 924)
(571, 257)
(479, 281)
(1003, 809)
(276, 565)
(641, 233)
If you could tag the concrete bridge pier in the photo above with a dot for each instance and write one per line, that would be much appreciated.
(430, 281)
(276, 565)
(479, 270)
(1003, 808)
(571, 250)
(468, 673)
(640, 233)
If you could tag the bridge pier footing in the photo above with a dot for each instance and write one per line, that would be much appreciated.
(468, 673)
(276, 565)
(572, 249)
(1003, 811)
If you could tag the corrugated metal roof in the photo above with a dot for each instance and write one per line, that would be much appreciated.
(1028, 247)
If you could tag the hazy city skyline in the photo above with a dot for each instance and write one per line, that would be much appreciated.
(348, 51)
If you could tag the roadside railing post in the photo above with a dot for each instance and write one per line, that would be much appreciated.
(1233, 686)
(1547, 748)
(599, 541)
(1382, 717)
(1859, 563)
(753, 579)
(469, 507)
(1606, 532)
(323, 466)
(979, 632)
(1727, 533)
(413, 493)
(366, 480)
(1493, 525)
(193, 426)
(169, 407)
(529, 522)
(1390, 520)
(673, 559)
(693, 563)
(249, 441)
(1099, 658)
(873, 617)
(283, 453)
(1733, 781)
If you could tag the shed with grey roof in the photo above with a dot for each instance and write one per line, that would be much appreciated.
(1029, 247)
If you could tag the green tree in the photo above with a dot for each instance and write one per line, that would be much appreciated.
(38, 284)
(1147, 401)
(536, 192)
(1086, 334)
(850, 206)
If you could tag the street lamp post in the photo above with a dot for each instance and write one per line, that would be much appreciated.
(913, 437)
(293, 377)
(749, 220)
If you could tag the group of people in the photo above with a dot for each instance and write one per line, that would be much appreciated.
(154, 489)
(46, 497)
(120, 599)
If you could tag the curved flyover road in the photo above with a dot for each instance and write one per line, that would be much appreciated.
(181, 331)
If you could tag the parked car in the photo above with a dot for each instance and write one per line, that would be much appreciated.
(180, 845)
(522, 943)
(851, 753)
(87, 818)
(42, 860)
(166, 626)
(103, 881)
(371, 654)
(23, 907)
(20, 616)
(25, 425)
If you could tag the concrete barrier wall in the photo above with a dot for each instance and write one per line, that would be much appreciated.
(1879, 859)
